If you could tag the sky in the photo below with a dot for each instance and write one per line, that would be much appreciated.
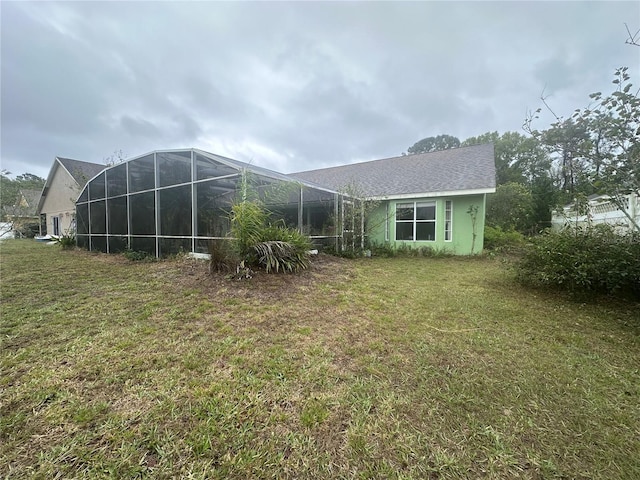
(292, 86)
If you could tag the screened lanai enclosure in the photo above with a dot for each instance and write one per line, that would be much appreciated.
(173, 201)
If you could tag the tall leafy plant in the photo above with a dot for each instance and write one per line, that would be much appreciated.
(260, 242)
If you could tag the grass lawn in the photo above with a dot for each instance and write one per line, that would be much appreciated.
(374, 368)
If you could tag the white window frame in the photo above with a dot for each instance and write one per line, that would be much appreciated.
(415, 221)
(448, 221)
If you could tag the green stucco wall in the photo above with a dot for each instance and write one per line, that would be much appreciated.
(382, 220)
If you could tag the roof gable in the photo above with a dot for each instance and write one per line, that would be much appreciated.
(450, 171)
(81, 171)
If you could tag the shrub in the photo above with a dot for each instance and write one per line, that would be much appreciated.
(281, 256)
(66, 241)
(583, 260)
(256, 242)
(138, 256)
(403, 250)
(222, 256)
(497, 239)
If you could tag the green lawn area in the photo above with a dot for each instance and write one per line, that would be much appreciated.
(373, 368)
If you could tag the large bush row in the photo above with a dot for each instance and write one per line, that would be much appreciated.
(583, 261)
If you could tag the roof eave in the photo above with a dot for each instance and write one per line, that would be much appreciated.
(443, 193)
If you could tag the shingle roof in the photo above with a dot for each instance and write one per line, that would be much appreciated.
(31, 197)
(81, 171)
(453, 170)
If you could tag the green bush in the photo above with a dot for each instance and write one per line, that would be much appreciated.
(256, 242)
(281, 249)
(138, 256)
(386, 250)
(222, 256)
(281, 256)
(66, 241)
(584, 260)
(497, 239)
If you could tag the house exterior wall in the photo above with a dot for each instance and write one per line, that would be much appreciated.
(59, 201)
(382, 224)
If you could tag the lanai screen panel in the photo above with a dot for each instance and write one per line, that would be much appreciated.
(180, 200)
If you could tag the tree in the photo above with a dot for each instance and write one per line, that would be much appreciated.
(519, 158)
(10, 188)
(433, 144)
(523, 160)
(614, 125)
(597, 150)
(511, 207)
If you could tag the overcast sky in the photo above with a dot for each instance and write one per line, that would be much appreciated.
(292, 86)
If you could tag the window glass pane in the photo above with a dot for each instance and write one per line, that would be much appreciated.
(82, 218)
(96, 187)
(404, 231)
(84, 195)
(141, 174)
(143, 214)
(117, 208)
(99, 243)
(117, 244)
(174, 168)
(98, 220)
(214, 206)
(144, 244)
(117, 180)
(426, 231)
(175, 211)
(404, 211)
(171, 246)
(208, 168)
(426, 211)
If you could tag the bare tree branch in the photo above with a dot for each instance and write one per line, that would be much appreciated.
(544, 101)
(633, 39)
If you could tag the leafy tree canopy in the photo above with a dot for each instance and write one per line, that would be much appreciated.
(9, 187)
(432, 144)
(511, 207)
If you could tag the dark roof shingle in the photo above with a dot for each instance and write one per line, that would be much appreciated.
(453, 170)
(81, 171)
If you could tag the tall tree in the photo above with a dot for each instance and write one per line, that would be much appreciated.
(10, 188)
(613, 126)
(511, 207)
(433, 144)
(597, 150)
(523, 160)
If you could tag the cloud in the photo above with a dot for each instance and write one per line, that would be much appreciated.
(291, 86)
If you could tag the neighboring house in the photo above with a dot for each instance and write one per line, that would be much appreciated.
(56, 207)
(434, 199)
(599, 209)
(22, 214)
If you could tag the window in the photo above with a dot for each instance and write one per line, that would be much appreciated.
(56, 225)
(448, 211)
(416, 221)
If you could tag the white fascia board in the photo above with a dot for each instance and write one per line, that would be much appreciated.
(444, 193)
(56, 164)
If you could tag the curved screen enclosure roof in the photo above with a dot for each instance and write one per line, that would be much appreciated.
(169, 201)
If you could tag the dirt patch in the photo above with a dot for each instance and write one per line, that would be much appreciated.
(192, 273)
